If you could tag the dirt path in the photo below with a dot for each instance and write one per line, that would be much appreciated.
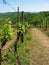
(39, 53)
(41, 36)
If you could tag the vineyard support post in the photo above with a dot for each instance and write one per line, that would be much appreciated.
(22, 37)
(18, 14)
(40, 26)
(15, 49)
(46, 25)
(18, 18)
(15, 46)
(22, 16)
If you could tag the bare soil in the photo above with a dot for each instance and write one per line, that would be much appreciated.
(39, 53)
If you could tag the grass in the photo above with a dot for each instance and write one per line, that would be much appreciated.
(23, 52)
(11, 56)
(9, 59)
(28, 37)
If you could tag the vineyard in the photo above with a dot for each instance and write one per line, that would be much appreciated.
(24, 38)
(15, 43)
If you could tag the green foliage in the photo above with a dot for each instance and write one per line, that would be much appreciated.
(7, 31)
(3, 57)
(24, 59)
(35, 19)
(0, 34)
(11, 57)
(23, 27)
(27, 25)
(28, 37)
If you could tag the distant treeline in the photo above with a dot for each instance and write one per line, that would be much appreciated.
(35, 19)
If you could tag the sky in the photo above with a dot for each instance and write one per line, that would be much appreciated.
(25, 5)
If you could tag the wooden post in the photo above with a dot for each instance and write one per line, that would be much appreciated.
(40, 26)
(18, 18)
(15, 49)
(46, 25)
(22, 37)
(22, 16)
(18, 15)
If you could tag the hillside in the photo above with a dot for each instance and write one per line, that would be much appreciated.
(38, 45)
(8, 14)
